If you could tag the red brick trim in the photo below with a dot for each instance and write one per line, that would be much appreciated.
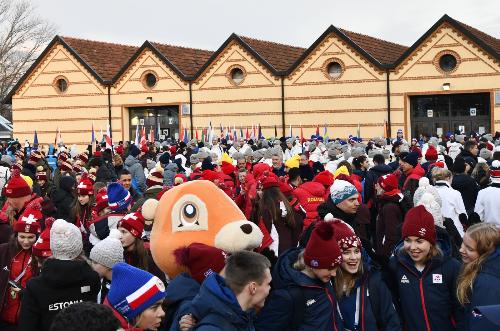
(229, 74)
(324, 68)
(446, 52)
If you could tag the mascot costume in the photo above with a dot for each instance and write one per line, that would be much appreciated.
(198, 212)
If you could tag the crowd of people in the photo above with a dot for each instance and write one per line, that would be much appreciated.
(386, 235)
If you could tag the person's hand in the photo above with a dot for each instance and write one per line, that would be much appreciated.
(187, 322)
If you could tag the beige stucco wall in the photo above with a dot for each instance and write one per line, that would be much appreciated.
(358, 96)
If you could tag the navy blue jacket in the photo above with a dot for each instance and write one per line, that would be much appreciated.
(427, 300)
(320, 313)
(180, 291)
(215, 308)
(373, 315)
(485, 292)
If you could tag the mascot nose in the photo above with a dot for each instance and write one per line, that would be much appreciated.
(246, 228)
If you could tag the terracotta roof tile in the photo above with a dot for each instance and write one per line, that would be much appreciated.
(491, 41)
(187, 60)
(280, 56)
(105, 58)
(383, 51)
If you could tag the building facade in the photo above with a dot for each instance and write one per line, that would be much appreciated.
(449, 79)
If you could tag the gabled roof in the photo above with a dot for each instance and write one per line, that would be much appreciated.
(187, 60)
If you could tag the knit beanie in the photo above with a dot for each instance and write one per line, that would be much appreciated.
(459, 165)
(133, 150)
(485, 154)
(85, 186)
(35, 156)
(201, 260)
(322, 250)
(40, 174)
(16, 187)
(134, 290)
(423, 187)
(108, 251)
(227, 168)
(210, 175)
(118, 197)
(84, 157)
(41, 248)
(431, 154)
(77, 168)
(66, 166)
(432, 206)
(495, 172)
(65, 240)
(267, 181)
(63, 156)
(388, 182)
(341, 190)
(410, 158)
(292, 162)
(345, 235)
(133, 223)
(325, 178)
(28, 221)
(155, 177)
(419, 223)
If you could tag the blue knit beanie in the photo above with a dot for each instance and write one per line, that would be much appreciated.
(134, 290)
(118, 197)
(411, 158)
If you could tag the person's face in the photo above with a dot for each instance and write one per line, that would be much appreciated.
(83, 199)
(26, 240)
(18, 203)
(105, 211)
(41, 182)
(417, 248)
(365, 165)
(242, 176)
(241, 164)
(351, 259)
(325, 274)
(474, 150)
(350, 205)
(379, 190)
(127, 239)
(126, 181)
(150, 319)
(100, 269)
(468, 250)
(303, 160)
(405, 167)
(260, 291)
(289, 144)
(276, 161)
(214, 141)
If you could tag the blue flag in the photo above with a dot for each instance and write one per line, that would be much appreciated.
(35, 141)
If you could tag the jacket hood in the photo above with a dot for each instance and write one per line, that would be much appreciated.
(285, 275)
(313, 188)
(61, 274)
(492, 264)
(181, 288)
(215, 297)
(130, 161)
(381, 169)
(172, 167)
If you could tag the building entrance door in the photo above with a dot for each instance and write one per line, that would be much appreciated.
(435, 115)
(164, 120)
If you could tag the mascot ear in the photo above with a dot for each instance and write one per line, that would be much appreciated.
(238, 236)
(148, 209)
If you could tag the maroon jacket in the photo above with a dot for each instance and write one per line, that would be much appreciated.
(389, 221)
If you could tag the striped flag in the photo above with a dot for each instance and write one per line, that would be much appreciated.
(291, 133)
(136, 135)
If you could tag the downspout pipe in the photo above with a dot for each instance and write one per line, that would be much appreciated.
(388, 93)
(282, 106)
(191, 107)
(109, 112)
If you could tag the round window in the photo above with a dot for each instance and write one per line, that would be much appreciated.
(62, 85)
(237, 75)
(150, 80)
(334, 69)
(447, 62)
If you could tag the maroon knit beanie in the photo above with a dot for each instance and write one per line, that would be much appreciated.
(419, 223)
(201, 260)
(322, 250)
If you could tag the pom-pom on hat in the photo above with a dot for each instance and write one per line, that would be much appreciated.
(322, 250)
(341, 190)
(118, 197)
(155, 177)
(29, 221)
(133, 223)
(108, 251)
(65, 240)
(345, 235)
(40, 174)
(495, 172)
(85, 186)
(41, 248)
(388, 182)
(419, 223)
(134, 290)
(16, 187)
(201, 260)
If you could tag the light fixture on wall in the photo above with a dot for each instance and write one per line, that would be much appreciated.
(446, 86)
(149, 99)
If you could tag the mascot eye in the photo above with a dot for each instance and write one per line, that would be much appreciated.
(189, 215)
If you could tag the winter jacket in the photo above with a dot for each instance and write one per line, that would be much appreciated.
(452, 204)
(487, 206)
(380, 170)
(64, 199)
(123, 321)
(169, 174)
(280, 172)
(310, 196)
(133, 165)
(106, 173)
(408, 183)
(215, 307)
(426, 300)
(485, 291)
(468, 157)
(388, 226)
(61, 284)
(376, 311)
(319, 314)
(100, 227)
(179, 294)
(133, 260)
(468, 188)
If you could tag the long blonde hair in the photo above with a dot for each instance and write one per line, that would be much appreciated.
(344, 282)
(487, 238)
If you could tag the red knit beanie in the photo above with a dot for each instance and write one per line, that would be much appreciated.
(85, 186)
(28, 222)
(325, 178)
(268, 181)
(322, 250)
(35, 156)
(134, 223)
(42, 246)
(16, 187)
(388, 182)
(101, 200)
(84, 157)
(345, 235)
(62, 156)
(40, 174)
(431, 154)
(201, 260)
(419, 223)
(210, 175)
(227, 168)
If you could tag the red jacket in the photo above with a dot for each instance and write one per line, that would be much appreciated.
(310, 195)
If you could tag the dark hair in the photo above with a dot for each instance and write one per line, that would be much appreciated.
(293, 174)
(346, 164)
(83, 213)
(244, 267)
(124, 172)
(268, 207)
(469, 144)
(496, 156)
(95, 162)
(357, 161)
(378, 159)
(85, 316)
(15, 248)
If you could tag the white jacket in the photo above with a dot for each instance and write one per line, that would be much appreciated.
(488, 205)
(452, 204)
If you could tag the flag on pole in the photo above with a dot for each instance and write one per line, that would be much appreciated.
(186, 137)
(108, 130)
(136, 141)
(260, 132)
(35, 141)
(275, 132)
(302, 140)
(241, 132)
(291, 133)
(196, 132)
(92, 142)
(158, 129)
(221, 131)
(102, 135)
(151, 135)
(181, 138)
(359, 131)
(143, 141)
(325, 134)
(58, 139)
(247, 135)
(253, 132)
(317, 130)
(386, 129)
(210, 132)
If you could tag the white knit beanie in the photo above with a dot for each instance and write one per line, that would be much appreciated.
(423, 187)
(108, 251)
(65, 240)
(432, 206)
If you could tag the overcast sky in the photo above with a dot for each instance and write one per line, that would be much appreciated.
(207, 23)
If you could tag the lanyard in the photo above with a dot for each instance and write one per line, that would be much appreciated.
(356, 316)
(18, 278)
